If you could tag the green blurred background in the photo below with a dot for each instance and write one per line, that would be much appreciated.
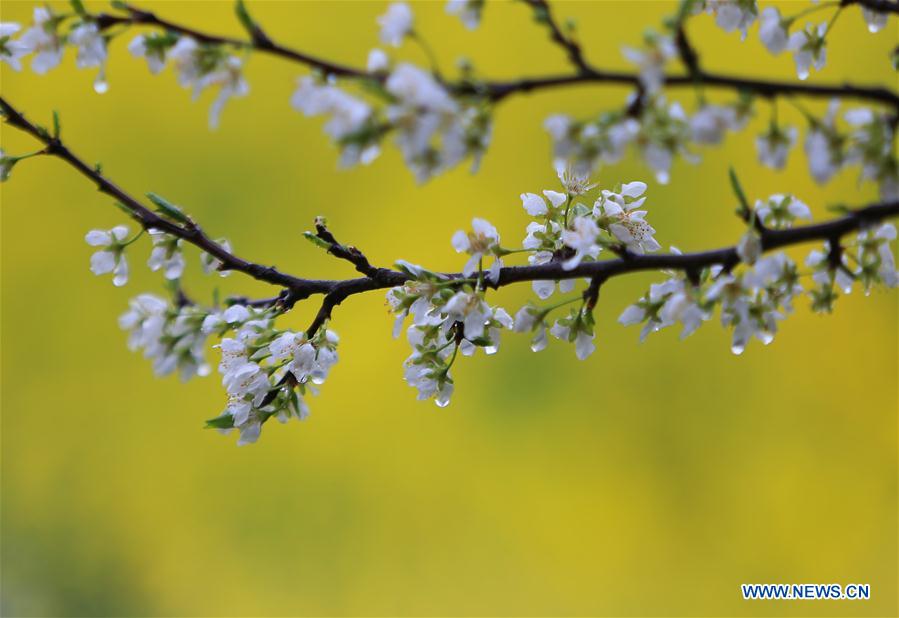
(650, 480)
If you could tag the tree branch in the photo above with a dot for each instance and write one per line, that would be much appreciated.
(881, 6)
(190, 232)
(585, 74)
(543, 13)
(336, 291)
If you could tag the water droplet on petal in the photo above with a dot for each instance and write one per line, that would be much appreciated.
(737, 348)
(101, 86)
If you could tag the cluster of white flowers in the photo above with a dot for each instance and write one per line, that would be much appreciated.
(661, 131)
(731, 15)
(808, 45)
(47, 42)
(867, 141)
(435, 131)
(469, 11)
(868, 260)
(110, 258)
(265, 371)
(172, 337)
(439, 123)
(755, 299)
(200, 66)
(447, 317)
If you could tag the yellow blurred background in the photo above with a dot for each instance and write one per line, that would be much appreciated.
(651, 479)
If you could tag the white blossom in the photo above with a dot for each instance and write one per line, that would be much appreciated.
(166, 255)
(425, 110)
(91, 51)
(779, 211)
(44, 41)
(773, 146)
(111, 257)
(620, 213)
(11, 51)
(211, 263)
(711, 122)
(171, 337)
(574, 329)
(349, 118)
(824, 274)
(582, 238)
(773, 30)
(469, 11)
(875, 258)
(651, 59)
(153, 48)
(377, 62)
(395, 24)
(201, 66)
(470, 309)
(664, 132)
(808, 47)
(750, 247)
(733, 15)
(823, 146)
(483, 240)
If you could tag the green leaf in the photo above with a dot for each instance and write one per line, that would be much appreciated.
(118, 4)
(78, 7)
(225, 421)
(244, 16)
(57, 126)
(315, 240)
(738, 191)
(168, 209)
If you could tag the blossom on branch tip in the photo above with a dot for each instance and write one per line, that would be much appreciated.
(166, 255)
(153, 47)
(91, 51)
(377, 62)
(582, 238)
(482, 241)
(469, 11)
(666, 304)
(212, 264)
(779, 211)
(808, 47)
(709, 124)
(658, 49)
(171, 337)
(11, 52)
(773, 30)
(44, 40)
(619, 213)
(350, 124)
(774, 145)
(577, 328)
(111, 257)
(733, 15)
(200, 66)
(395, 24)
